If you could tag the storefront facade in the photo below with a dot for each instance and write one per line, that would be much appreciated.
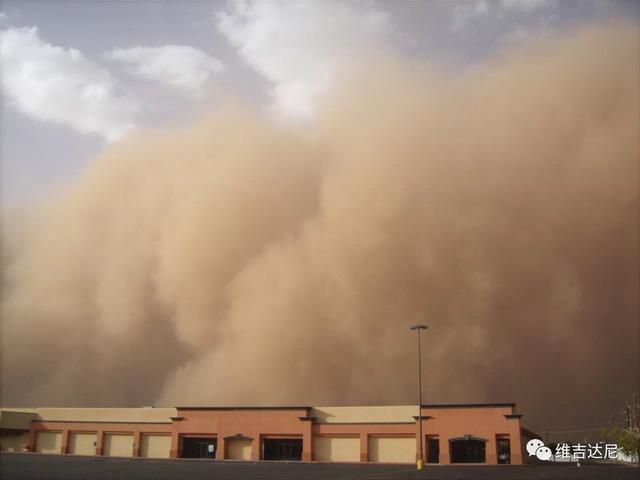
(469, 433)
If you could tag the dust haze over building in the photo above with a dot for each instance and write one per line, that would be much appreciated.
(239, 258)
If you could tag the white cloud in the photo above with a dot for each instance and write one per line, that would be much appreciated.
(296, 45)
(62, 86)
(182, 67)
(528, 6)
(465, 12)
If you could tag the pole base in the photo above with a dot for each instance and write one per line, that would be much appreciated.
(419, 464)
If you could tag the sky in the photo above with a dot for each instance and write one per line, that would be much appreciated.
(77, 76)
(299, 182)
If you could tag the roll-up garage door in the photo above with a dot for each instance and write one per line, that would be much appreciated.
(392, 449)
(118, 445)
(155, 446)
(82, 443)
(336, 449)
(238, 448)
(49, 442)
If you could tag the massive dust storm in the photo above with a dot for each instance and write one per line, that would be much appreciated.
(242, 260)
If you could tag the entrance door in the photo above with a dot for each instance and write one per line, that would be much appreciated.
(504, 450)
(282, 449)
(433, 450)
(467, 451)
(199, 447)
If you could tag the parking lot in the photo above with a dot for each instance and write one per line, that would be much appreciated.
(15, 466)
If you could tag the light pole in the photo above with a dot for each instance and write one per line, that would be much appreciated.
(420, 460)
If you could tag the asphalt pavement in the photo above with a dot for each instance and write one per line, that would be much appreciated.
(31, 466)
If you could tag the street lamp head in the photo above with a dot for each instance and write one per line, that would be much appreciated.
(418, 327)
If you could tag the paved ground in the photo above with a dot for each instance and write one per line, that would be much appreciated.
(16, 466)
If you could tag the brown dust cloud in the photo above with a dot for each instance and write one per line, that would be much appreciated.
(239, 260)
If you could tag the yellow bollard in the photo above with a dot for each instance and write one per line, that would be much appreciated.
(419, 464)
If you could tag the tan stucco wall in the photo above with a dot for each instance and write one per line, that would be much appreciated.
(13, 442)
(116, 445)
(19, 409)
(238, 449)
(364, 414)
(336, 449)
(392, 449)
(17, 419)
(82, 443)
(385, 414)
(108, 414)
(155, 446)
(49, 442)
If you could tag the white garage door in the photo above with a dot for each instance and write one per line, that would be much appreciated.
(392, 449)
(118, 445)
(336, 449)
(238, 449)
(49, 442)
(13, 442)
(155, 446)
(82, 443)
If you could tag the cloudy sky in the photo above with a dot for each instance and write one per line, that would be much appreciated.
(77, 75)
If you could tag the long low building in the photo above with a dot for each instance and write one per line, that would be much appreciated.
(453, 433)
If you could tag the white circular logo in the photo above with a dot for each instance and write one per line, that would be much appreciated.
(544, 453)
(533, 445)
